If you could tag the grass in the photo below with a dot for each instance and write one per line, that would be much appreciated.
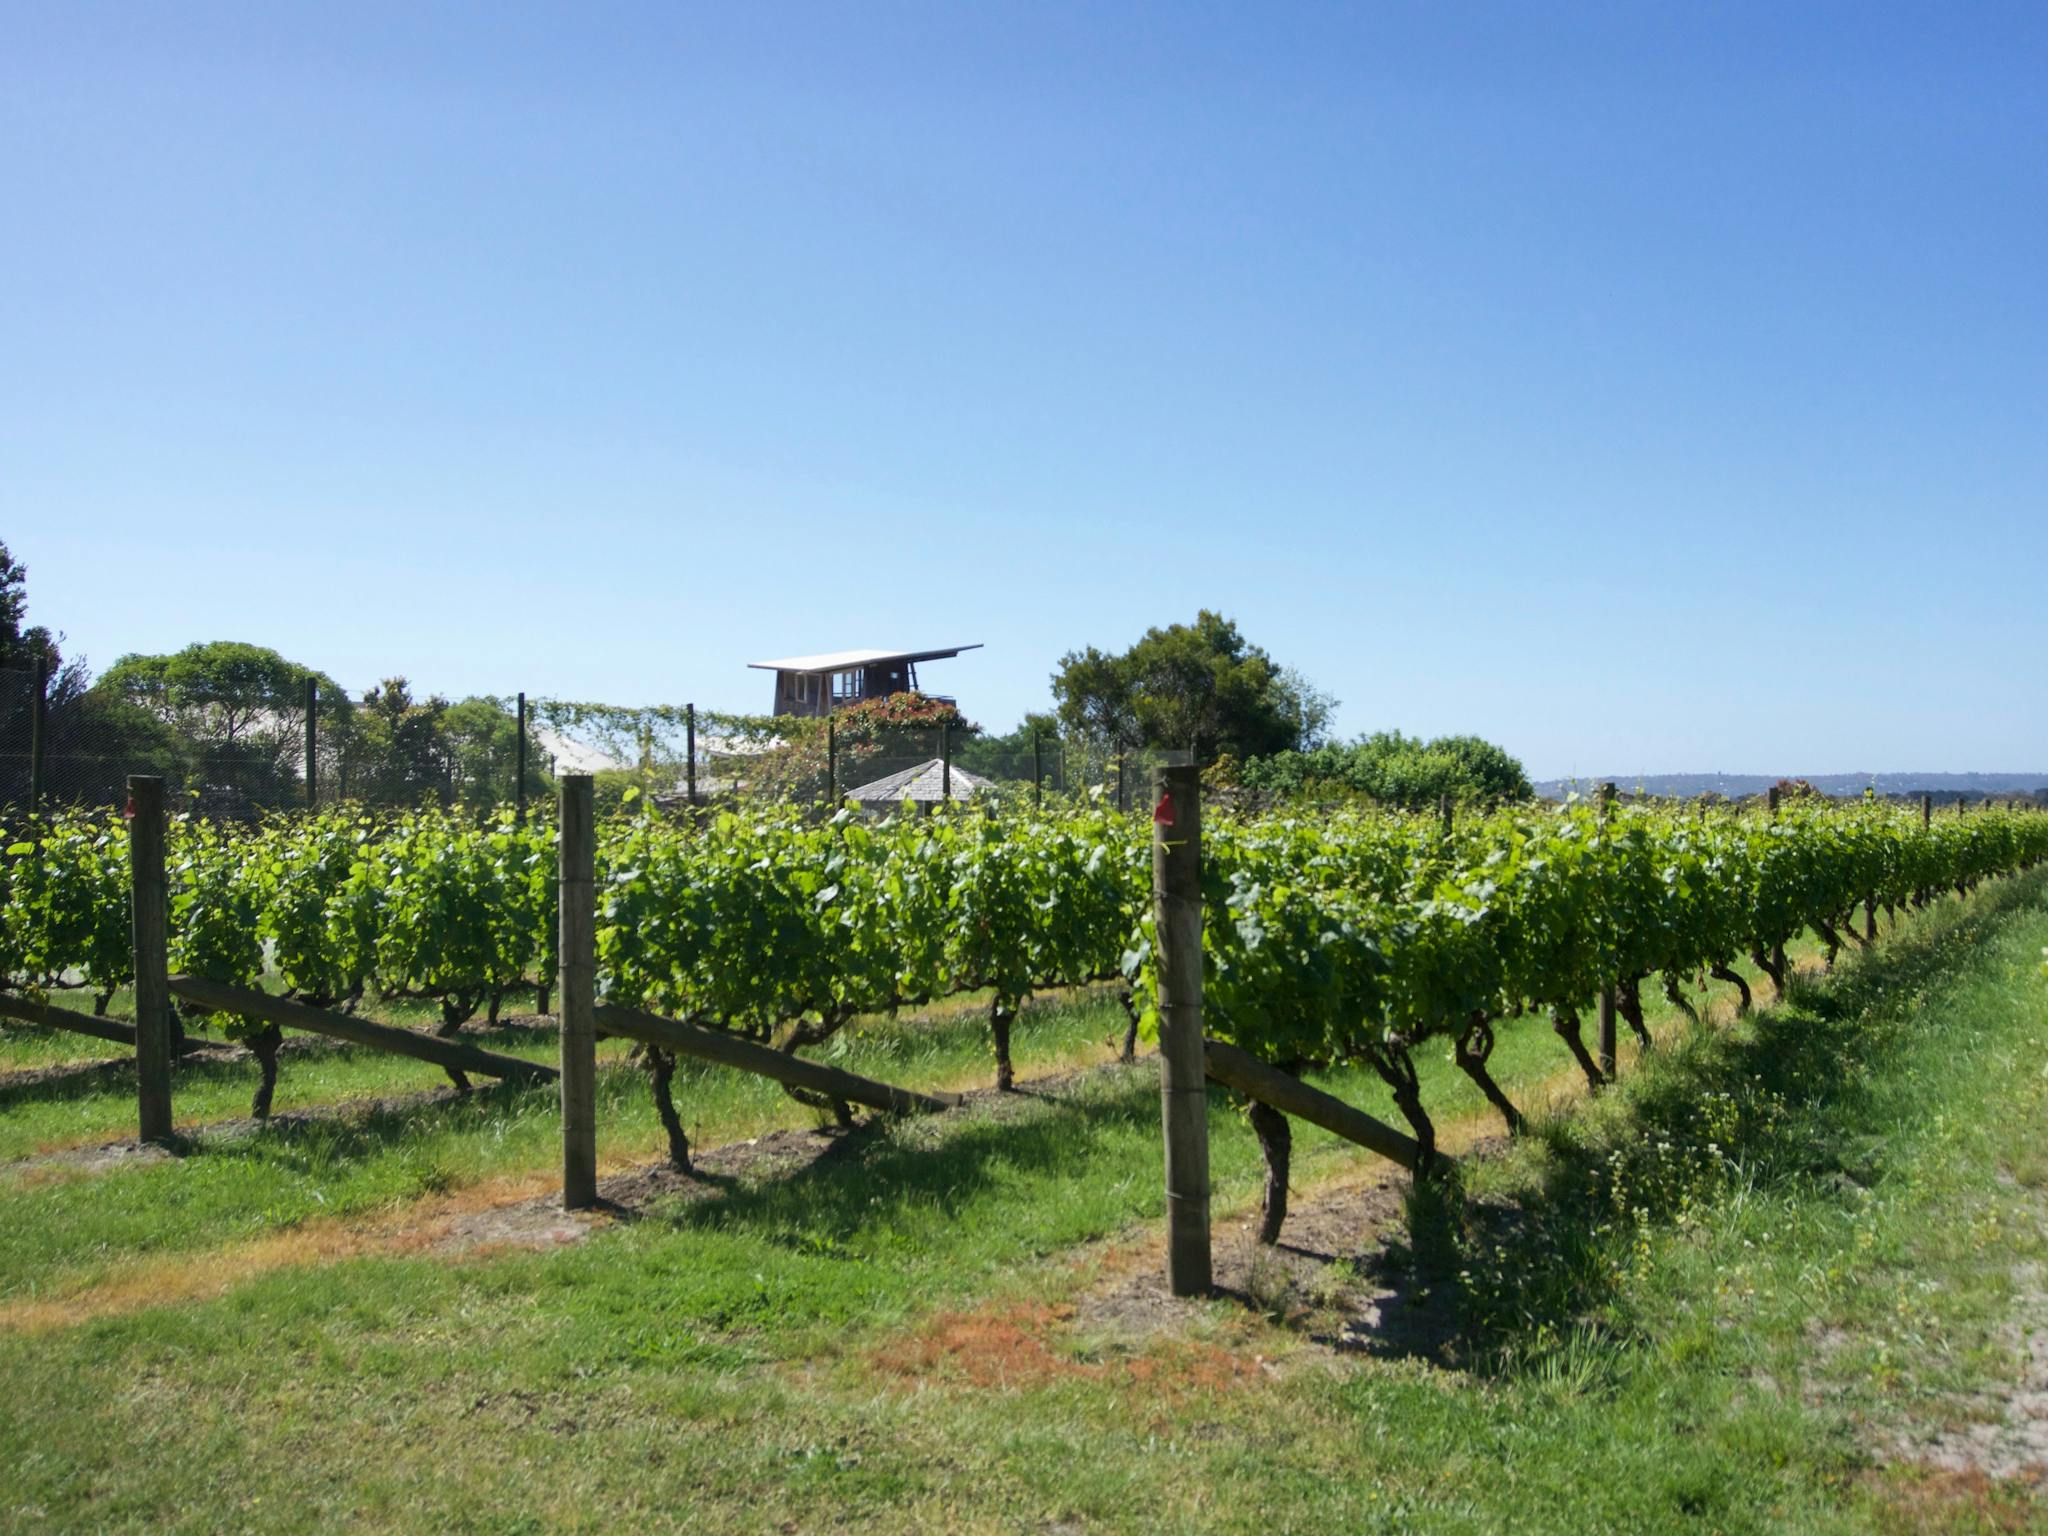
(1704, 1302)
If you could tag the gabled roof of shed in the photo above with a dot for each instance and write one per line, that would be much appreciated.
(924, 784)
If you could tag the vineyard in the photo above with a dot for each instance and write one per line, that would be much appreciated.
(1351, 940)
(359, 1300)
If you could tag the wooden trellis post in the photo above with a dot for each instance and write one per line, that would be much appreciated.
(519, 762)
(151, 938)
(1608, 1049)
(312, 743)
(690, 753)
(38, 729)
(577, 984)
(1777, 950)
(1183, 1090)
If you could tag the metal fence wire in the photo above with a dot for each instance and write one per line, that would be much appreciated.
(64, 744)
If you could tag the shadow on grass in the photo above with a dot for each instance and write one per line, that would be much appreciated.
(1521, 1284)
(866, 1180)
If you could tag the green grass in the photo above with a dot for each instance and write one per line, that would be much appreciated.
(1683, 1308)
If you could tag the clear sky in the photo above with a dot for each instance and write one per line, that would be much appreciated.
(1647, 386)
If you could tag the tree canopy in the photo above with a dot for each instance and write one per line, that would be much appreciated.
(1397, 770)
(1201, 687)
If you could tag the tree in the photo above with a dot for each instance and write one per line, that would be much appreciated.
(18, 647)
(1009, 755)
(1393, 769)
(395, 750)
(240, 712)
(482, 739)
(91, 739)
(1200, 687)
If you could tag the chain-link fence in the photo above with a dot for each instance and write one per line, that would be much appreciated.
(238, 754)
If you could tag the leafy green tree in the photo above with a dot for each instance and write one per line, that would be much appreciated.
(1200, 687)
(1393, 769)
(396, 750)
(482, 740)
(1008, 755)
(92, 738)
(239, 712)
(19, 647)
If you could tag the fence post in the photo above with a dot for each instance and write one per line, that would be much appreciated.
(147, 901)
(519, 762)
(1927, 810)
(577, 985)
(312, 743)
(1037, 772)
(1608, 1050)
(1183, 1088)
(38, 728)
(690, 752)
(1444, 814)
(1777, 950)
(1122, 803)
(945, 765)
(831, 763)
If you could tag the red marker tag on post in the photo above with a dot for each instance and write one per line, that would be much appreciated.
(1162, 813)
(129, 813)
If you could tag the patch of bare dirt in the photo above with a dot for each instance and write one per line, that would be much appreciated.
(66, 1162)
(1344, 1278)
(1999, 1432)
(84, 1162)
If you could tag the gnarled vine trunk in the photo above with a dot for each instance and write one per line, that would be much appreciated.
(1744, 1002)
(1675, 996)
(1764, 963)
(999, 1017)
(1628, 1001)
(661, 1071)
(1565, 1021)
(1474, 1046)
(1129, 1053)
(1276, 1143)
(263, 1045)
(1397, 1070)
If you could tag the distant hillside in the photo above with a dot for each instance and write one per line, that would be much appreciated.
(1943, 786)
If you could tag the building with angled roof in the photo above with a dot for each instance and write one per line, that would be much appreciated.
(818, 685)
(926, 784)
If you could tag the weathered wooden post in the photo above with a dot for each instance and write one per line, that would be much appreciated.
(1444, 815)
(1037, 772)
(1777, 950)
(1927, 810)
(577, 984)
(148, 901)
(1607, 1046)
(38, 729)
(945, 765)
(690, 752)
(519, 762)
(312, 743)
(831, 764)
(1183, 1090)
(1122, 803)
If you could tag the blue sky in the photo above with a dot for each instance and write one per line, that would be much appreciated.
(1647, 387)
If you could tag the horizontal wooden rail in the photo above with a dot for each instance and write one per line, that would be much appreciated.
(732, 1051)
(1290, 1095)
(453, 1055)
(119, 1031)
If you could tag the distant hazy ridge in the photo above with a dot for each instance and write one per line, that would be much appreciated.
(1736, 785)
